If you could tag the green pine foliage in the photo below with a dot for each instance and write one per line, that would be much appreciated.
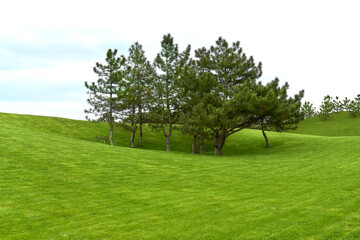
(227, 97)
(338, 105)
(276, 110)
(213, 95)
(231, 76)
(345, 104)
(105, 105)
(136, 95)
(196, 84)
(308, 110)
(165, 102)
(354, 106)
(326, 108)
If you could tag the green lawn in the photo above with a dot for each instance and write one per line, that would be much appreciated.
(341, 124)
(85, 130)
(56, 183)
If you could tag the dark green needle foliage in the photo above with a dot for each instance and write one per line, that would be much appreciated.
(231, 78)
(139, 76)
(326, 108)
(338, 105)
(345, 104)
(214, 95)
(223, 97)
(308, 110)
(165, 102)
(196, 84)
(276, 110)
(105, 105)
(354, 106)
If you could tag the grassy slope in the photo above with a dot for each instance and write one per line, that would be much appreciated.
(85, 130)
(342, 124)
(53, 186)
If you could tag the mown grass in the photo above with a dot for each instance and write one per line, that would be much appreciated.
(59, 186)
(85, 130)
(341, 124)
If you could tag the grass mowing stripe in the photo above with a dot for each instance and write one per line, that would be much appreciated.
(303, 187)
(341, 124)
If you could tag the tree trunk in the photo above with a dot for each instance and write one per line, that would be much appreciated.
(167, 136)
(201, 144)
(264, 134)
(167, 91)
(140, 135)
(168, 142)
(219, 141)
(132, 139)
(111, 135)
(133, 125)
(111, 117)
(194, 145)
(140, 126)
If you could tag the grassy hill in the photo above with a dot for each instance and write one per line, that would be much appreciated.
(342, 124)
(85, 130)
(57, 183)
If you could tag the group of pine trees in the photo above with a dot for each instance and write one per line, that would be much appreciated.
(329, 105)
(211, 95)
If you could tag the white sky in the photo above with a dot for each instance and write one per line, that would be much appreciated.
(48, 48)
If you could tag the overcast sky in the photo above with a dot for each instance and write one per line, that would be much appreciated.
(48, 48)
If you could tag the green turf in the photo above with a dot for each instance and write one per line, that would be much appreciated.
(56, 183)
(85, 130)
(341, 124)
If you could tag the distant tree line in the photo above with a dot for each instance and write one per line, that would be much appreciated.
(211, 95)
(330, 105)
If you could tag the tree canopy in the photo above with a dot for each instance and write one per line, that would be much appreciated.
(214, 94)
(105, 105)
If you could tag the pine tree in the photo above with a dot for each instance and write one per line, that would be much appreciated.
(308, 109)
(234, 100)
(276, 110)
(139, 76)
(338, 106)
(188, 93)
(103, 93)
(326, 108)
(231, 80)
(165, 105)
(194, 86)
(345, 104)
(354, 106)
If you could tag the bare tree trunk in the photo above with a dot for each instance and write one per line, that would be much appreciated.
(201, 144)
(141, 135)
(132, 139)
(168, 143)
(194, 145)
(133, 126)
(167, 136)
(140, 126)
(111, 135)
(264, 134)
(111, 122)
(219, 141)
